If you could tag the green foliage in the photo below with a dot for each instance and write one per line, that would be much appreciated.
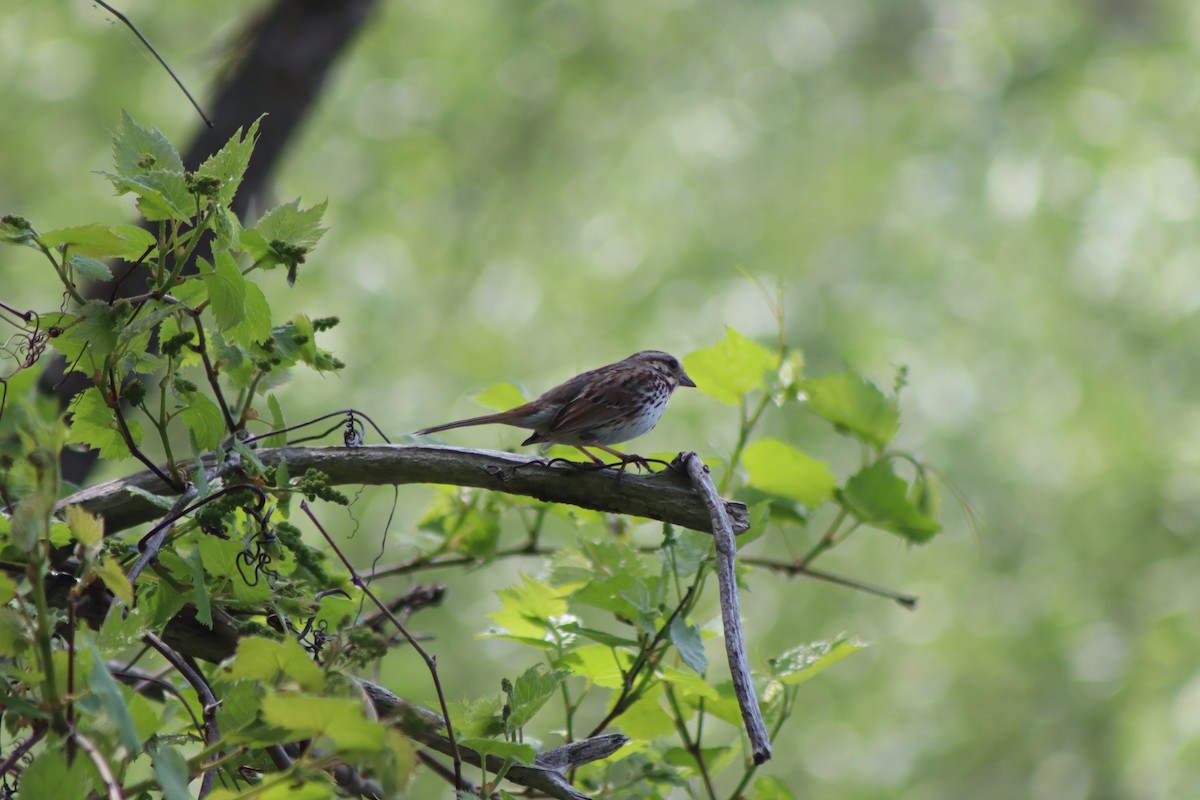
(611, 632)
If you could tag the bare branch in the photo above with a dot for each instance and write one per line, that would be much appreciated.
(549, 770)
(666, 496)
(735, 640)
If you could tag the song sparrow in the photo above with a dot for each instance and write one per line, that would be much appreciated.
(604, 406)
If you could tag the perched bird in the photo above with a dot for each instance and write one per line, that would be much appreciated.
(604, 406)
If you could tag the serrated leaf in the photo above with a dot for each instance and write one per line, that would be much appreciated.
(198, 595)
(501, 397)
(601, 665)
(101, 241)
(531, 690)
(731, 368)
(31, 519)
(106, 689)
(854, 405)
(98, 331)
(85, 527)
(805, 661)
(278, 422)
(171, 771)
(50, 776)
(690, 645)
(316, 786)
(228, 164)
(521, 753)
(292, 224)
(221, 559)
(879, 497)
(529, 608)
(164, 503)
(771, 787)
(479, 717)
(204, 422)
(226, 290)
(646, 718)
(267, 660)
(93, 425)
(778, 468)
(109, 571)
(90, 268)
(256, 318)
(160, 195)
(688, 684)
(137, 150)
(310, 716)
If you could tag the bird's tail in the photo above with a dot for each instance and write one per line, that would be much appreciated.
(486, 419)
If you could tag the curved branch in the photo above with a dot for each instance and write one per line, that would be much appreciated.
(666, 496)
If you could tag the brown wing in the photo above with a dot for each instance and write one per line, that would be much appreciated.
(609, 394)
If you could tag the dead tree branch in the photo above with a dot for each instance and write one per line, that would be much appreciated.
(666, 496)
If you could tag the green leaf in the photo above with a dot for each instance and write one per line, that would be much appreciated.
(90, 268)
(521, 753)
(85, 527)
(316, 786)
(855, 406)
(15, 635)
(501, 397)
(98, 331)
(204, 422)
(8, 589)
(647, 719)
(690, 645)
(292, 224)
(879, 497)
(93, 425)
(171, 770)
(479, 717)
(731, 368)
(226, 290)
(51, 776)
(31, 520)
(220, 558)
(256, 318)
(106, 689)
(780, 469)
(805, 661)
(109, 571)
(199, 592)
(278, 422)
(228, 165)
(137, 150)
(161, 195)
(688, 684)
(164, 503)
(267, 660)
(531, 690)
(123, 628)
(101, 241)
(310, 716)
(529, 608)
(771, 787)
(601, 665)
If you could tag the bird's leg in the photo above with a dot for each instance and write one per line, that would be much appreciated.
(626, 460)
(595, 459)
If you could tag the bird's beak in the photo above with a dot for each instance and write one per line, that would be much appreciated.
(684, 380)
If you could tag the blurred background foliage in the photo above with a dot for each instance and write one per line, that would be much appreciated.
(1000, 194)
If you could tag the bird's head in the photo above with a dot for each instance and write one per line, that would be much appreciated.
(664, 363)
